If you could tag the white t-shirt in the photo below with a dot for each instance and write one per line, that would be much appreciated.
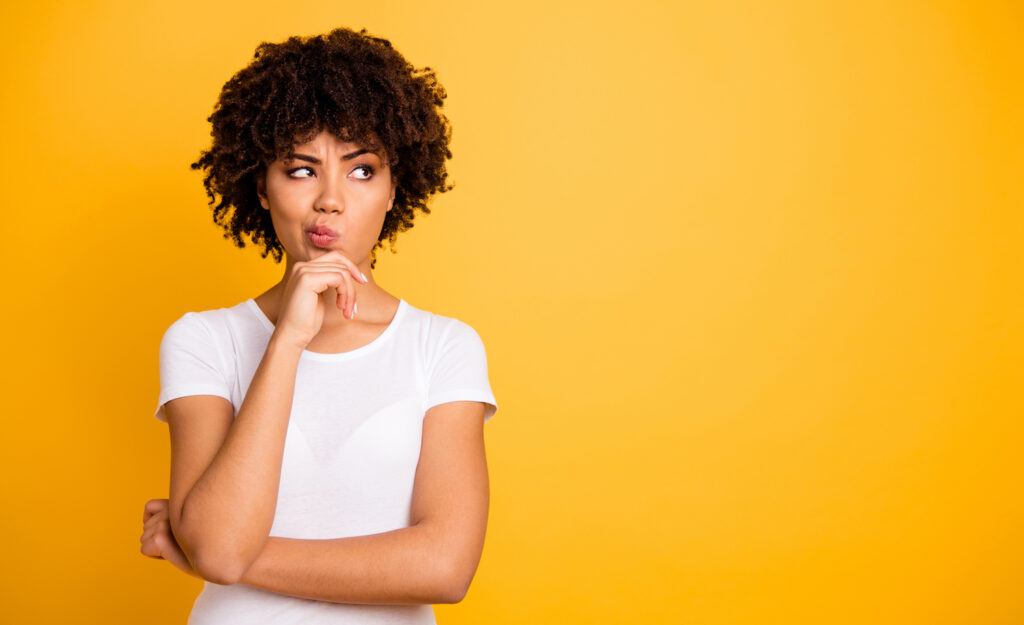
(353, 438)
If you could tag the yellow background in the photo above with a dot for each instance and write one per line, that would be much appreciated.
(748, 275)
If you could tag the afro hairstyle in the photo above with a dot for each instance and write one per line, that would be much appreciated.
(350, 83)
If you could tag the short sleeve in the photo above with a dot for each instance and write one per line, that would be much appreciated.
(459, 369)
(189, 363)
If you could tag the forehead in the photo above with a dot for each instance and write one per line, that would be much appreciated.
(343, 138)
(326, 141)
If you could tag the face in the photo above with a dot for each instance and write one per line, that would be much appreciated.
(331, 184)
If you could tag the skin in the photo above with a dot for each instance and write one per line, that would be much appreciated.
(351, 195)
(313, 306)
(157, 540)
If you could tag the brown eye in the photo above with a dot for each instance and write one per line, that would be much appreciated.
(367, 172)
(292, 171)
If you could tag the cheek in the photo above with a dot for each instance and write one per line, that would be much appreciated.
(287, 205)
(280, 194)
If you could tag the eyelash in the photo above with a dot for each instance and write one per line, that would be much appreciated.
(369, 171)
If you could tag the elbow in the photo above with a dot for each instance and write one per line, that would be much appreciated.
(218, 569)
(454, 583)
(210, 564)
(221, 563)
(453, 591)
(452, 595)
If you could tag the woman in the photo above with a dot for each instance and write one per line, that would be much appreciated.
(327, 455)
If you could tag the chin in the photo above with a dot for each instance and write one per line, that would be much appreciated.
(316, 250)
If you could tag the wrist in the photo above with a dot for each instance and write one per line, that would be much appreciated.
(284, 342)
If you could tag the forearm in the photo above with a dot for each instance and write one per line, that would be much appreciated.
(403, 566)
(229, 512)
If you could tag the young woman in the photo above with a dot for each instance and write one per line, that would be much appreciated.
(327, 453)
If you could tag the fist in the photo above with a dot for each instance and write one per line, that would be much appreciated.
(157, 539)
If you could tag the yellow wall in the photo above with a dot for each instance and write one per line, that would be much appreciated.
(748, 275)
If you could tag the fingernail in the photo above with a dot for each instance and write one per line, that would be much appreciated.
(355, 309)
(364, 276)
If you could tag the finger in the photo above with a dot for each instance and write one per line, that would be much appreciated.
(320, 277)
(333, 268)
(337, 256)
(321, 280)
(156, 519)
(172, 552)
(152, 550)
(161, 513)
(342, 291)
(347, 292)
(342, 282)
(352, 299)
(334, 276)
(152, 506)
(320, 266)
(162, 526)
(337, 282)
(152, 529)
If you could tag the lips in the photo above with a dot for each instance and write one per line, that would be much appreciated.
(323, 231)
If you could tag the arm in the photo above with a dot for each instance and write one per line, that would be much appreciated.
(226, 472)
(431, 561)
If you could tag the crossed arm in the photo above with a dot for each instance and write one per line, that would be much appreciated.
(431, 561)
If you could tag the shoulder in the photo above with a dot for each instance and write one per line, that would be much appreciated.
(456, 364)
(204, 325)
(193, 323)
(437, 330)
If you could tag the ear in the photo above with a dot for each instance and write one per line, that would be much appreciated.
(261, 189)
(391, 202)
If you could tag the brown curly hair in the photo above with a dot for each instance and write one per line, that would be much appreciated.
(350, 83)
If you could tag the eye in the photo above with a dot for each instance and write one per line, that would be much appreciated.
(292, 171)
(367, 172)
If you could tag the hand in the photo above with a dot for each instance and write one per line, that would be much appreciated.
(302, 307)
(157, 539)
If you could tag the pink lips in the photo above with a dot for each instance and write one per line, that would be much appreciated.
(322, 230)
(321, 236)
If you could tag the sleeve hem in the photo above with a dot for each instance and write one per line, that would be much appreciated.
(465, 395)
(184, 391)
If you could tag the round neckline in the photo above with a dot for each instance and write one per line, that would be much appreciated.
(337, 356)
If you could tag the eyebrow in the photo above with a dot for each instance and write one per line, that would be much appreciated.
(346, 157)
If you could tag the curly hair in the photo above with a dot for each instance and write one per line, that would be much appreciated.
(350, 83)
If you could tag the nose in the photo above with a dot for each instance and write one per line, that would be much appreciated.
(330, 199)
